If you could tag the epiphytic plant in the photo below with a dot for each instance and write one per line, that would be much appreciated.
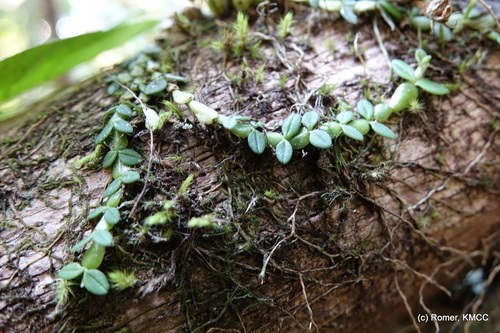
(298, 131)
(120, 159)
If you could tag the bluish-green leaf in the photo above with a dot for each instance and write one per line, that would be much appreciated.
(301, 139)
(173, 77)
(81, 243)
(403, 96)
(291, 125)
(420, 56)
(284, 151)
(420, 21)
(348, 14)
(382, 112)
(96, 212)
(122, 126)
(352, 132)
(382, 130)
(156, 86)
(112, 215)
(95, 281)
(432, 87)
(362, 125)
(130, 176)
(71, 271)
(365, 109)
(104, 133)
(103, 237)
(129, 157)
(310, 119)
(109, 158)
(404, 70)
(42, 63)
(442, 32)
(242, 130)
(112, 188)
(229, 122)
(257, 141)
(332, 127)
(345, 117)
(114, 200)
(320, 139)
(124, 111)
(274, 138)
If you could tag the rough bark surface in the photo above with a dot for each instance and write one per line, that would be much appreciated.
(313, 245)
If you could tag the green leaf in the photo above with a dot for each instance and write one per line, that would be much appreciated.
(257, 141)
(129, 157)
(112, 188)
(129, 177)
(332, 127)
(114, 200)
(96, 212)
(242, 130)
(122, 126)
(274, 138)
(81, 243)
(112, 215)
(404, 70)
(104, 133)
(352, 132)
(365, 109)
(119, 169)
(42, 63)
(71, 271)
(124, 111)
(156, 86)
(95, 281)
(111, 110)
(403, 96)
(348, 14)
(310, 119)
(421, 22)
(120, 141)
(284, 151)
(420, 56)
(173, 77)
(382, 130)
(362, 125)
(291, 125)
(103, 237)
(432, 87)
(442, 32)
(228, 122)
(320, 139)
(382, 111)
(391, 9)
(345, 117)
(301, 139)
(109, 159)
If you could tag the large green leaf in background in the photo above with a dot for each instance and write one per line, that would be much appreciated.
(40, 64)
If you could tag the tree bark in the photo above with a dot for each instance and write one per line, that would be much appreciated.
(354, 238)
